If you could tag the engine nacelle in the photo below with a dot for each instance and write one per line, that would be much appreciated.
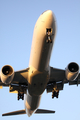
(72, 71)
(7, 74)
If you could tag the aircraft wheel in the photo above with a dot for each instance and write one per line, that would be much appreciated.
(47, 41)
(50, 41)
(52, 96)
(18, 97)
(57, 95)
(22, 96)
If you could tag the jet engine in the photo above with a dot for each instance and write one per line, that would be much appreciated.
(7, 74)
(72, 71)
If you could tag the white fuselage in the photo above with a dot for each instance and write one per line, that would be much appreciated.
(39, 60)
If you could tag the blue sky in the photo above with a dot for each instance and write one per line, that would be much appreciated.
(17, 20)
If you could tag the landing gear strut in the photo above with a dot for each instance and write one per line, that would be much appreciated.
(20, 95)
(55, 93)
(49, 33)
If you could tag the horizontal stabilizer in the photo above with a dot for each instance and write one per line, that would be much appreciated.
(19, 112)
(44, 111)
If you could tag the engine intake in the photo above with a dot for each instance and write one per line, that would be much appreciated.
(7, 74)
(73, 67)
(72, 71)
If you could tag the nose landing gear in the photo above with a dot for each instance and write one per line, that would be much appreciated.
(49, 33)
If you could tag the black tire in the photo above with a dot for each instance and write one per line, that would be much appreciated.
(50, 41)
(52, 96)
(47, 41)
(18, 97)
(23, 98)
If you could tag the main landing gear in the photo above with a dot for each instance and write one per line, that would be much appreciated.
(20, 95)
(55, 93)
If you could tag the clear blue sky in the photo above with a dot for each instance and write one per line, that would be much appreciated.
(17, 20)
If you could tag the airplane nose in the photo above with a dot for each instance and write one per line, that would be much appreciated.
(48, 18)
(48, 14)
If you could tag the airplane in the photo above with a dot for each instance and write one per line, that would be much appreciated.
(30, 83)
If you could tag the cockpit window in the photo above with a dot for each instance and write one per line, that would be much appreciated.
(44, 11)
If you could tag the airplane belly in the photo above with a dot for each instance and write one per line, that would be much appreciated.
(41, 50)
(37, 82)
(40, 54)
(31, 103)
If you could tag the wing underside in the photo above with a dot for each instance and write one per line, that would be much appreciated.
(57, 80)
(19, 81)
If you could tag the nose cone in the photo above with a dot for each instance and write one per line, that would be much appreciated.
(48, 19)
(48, 13)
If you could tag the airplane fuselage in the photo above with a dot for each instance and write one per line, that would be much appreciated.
(31, 82)
(42, 43)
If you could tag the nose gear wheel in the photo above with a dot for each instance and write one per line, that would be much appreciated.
(49, 33)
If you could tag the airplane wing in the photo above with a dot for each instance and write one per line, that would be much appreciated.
(19, 81)
(57, 80)
(56, 75)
